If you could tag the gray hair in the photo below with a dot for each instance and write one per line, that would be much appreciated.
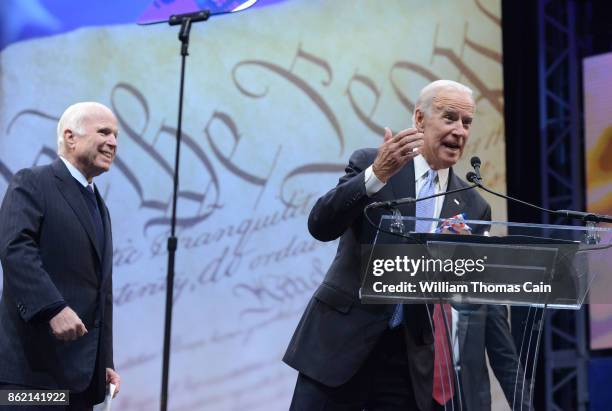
(427, 94)
(72, 119)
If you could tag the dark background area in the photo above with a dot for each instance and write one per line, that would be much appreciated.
(522, 90)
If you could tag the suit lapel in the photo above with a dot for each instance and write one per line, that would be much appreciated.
(402, 185)
(69, 190)
(453, 203)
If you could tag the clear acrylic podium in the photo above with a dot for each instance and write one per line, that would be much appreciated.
(474, 276)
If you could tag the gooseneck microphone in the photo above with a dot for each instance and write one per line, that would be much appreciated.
(473, 178)
(475, 161)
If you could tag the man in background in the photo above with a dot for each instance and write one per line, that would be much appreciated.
(56, 309)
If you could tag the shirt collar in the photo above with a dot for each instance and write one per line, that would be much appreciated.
(76, 173)
(421, 167)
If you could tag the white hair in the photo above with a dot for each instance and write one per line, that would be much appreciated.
(72, 119)
(427, 94)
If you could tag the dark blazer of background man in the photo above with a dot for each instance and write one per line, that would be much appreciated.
(339, 346)
(56, 310)
(486, 326)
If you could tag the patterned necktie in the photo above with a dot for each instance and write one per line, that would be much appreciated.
(423, 209)
(426, 208)
(443, 383)
(96, 216)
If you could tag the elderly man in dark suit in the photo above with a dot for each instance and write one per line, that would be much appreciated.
(56, 251)
(353, 356)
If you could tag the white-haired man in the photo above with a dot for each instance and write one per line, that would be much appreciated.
(56, 252)
(353, 356)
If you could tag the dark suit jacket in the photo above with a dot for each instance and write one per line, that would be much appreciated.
(480, 327)
(337, 333)
(49, 253)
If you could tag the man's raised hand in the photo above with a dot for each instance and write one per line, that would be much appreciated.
(396, 151)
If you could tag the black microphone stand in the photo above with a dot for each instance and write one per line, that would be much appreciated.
(576, 215)
(408, 200)
(185, 20)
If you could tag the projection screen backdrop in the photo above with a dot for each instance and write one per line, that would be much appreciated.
(277, 98)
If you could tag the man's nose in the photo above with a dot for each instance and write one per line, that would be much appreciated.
(460, 130)
(112, 140)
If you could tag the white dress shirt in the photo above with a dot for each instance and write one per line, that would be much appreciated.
(76, 173)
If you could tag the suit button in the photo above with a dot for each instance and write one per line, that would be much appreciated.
(96, 323)
(21, 308)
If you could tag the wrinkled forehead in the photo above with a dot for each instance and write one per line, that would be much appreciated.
(453, 100)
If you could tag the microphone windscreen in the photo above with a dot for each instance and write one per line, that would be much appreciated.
(471, 177)
(475, 161)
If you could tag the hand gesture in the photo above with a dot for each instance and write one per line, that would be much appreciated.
(396, 151)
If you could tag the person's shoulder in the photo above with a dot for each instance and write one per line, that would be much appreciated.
(41, 170)
(36, 170)
(367, 154)
(368, 151)
(33, 173)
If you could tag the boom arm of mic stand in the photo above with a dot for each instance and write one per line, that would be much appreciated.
(194, 17)
(576, 215)
(408, 200)
(585, 216)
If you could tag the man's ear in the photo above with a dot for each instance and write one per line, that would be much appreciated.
(69, 138)
(419, 120)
